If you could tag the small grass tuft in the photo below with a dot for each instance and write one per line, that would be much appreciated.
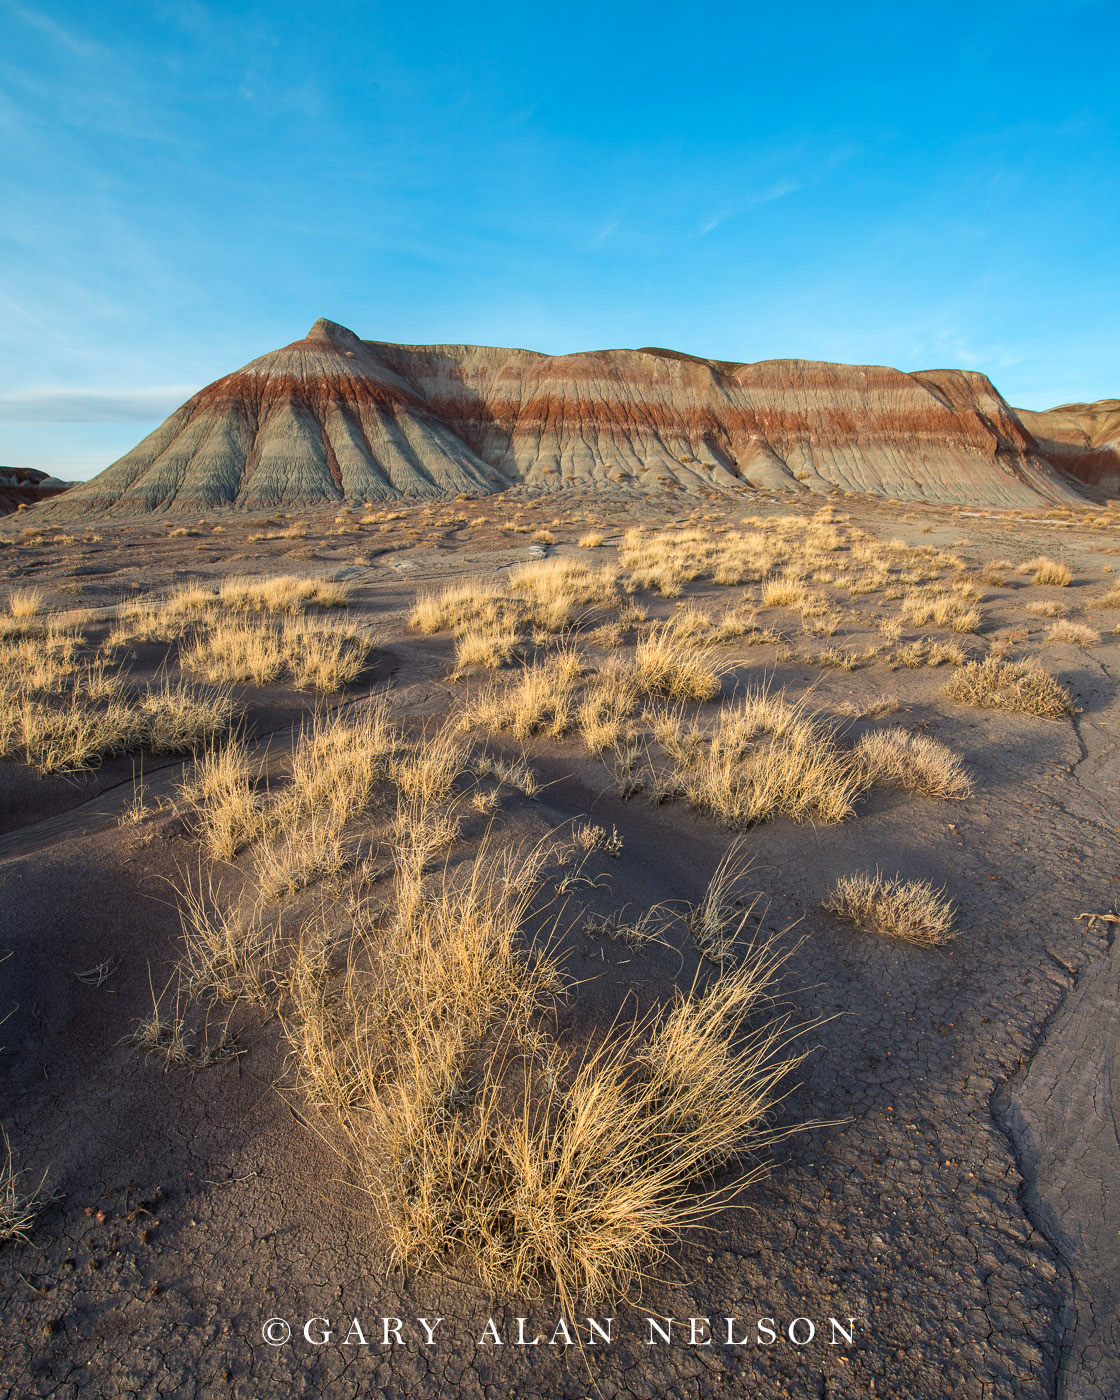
(912, 761)
(999, 684)
(912, 910)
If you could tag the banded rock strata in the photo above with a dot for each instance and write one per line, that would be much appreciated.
(332, 418)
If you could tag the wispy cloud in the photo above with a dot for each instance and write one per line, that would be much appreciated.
(93, 405)
(76, 44)
(750, 201)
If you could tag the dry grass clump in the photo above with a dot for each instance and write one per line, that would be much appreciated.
(837, 659)
(783, 593)
(67, 737)
(72, 733)
(609, 701)
(912, 910)
(946, 610)
(549, 595)
(234, 651)
(1106, 600)
(541, 699)
(667, 559)
(323, 656)
(557, 589)
(226, 807)
(925, 652)
(39, 664)
(300, 856)
(19, 1209)
(696, 624)
(284, 593)
(593, 539)
(912, 761)
(716, 922)
(760, 757)
(668, 662)
(1046, 607)
(1078, 633)
(583, 1185)
(485, 647)
(166, 619)
(181, 719)
(229, 953)
(424, 983)
(317, 655)
(1050, 572)
(459, 606)
(25, 602)
(999, 684)
(336, 762)
(478, 1140)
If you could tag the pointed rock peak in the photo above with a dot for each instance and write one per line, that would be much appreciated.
(334, 334)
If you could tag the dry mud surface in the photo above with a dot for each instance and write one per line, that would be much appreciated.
(958, 1199)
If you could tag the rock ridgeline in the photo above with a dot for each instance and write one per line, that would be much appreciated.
(332, 418)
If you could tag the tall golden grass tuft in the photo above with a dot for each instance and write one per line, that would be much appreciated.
(595, 1171)
(323, 656)
(608, 703)
(320, 656)
(1048, 572)
(237, 650)
(225, 805)
(762, 757)
(230, 954)
(671, 664)
(335, 764)
(477, 1139)
(944, 610)
(285, 593)
(25, 602)
(541, 699)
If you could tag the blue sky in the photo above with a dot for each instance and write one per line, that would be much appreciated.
(184, 186)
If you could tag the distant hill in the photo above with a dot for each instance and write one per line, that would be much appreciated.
(333, 418)
(1081, 438)
(26, 486)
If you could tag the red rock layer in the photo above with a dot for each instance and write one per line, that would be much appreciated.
(332, 418)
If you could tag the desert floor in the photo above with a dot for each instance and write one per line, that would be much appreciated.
(957, 1194)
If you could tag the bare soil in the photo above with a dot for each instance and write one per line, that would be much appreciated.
(958, 1202)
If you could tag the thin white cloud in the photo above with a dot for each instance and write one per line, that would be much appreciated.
(778, 191)
(77, 44)
(93, 405)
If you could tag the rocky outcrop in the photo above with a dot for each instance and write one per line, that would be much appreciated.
(333, 418)
(1082, 439)
(320, 421)
(24, 486)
